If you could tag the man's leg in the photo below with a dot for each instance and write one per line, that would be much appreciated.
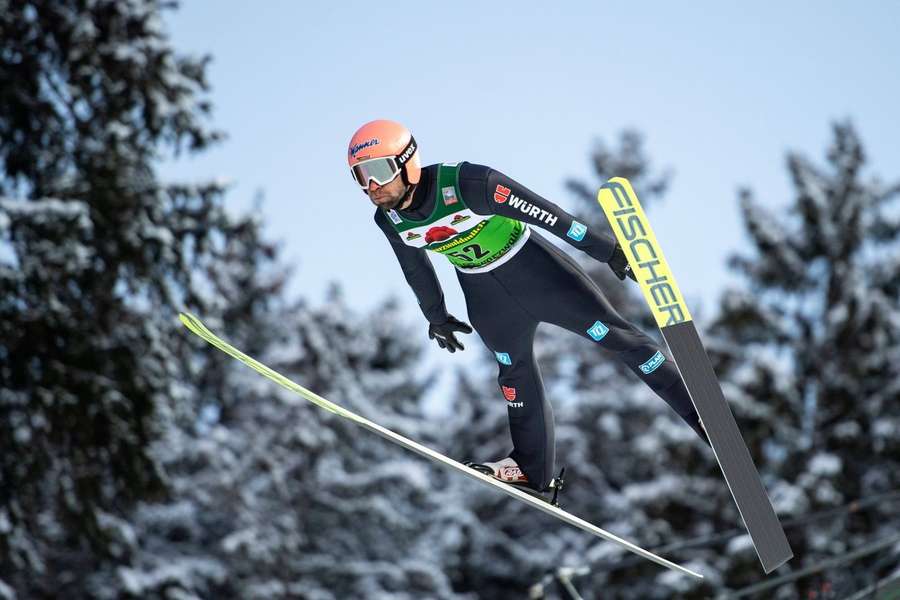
(508, 331)
(558, 291)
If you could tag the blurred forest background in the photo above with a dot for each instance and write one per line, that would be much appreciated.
(137, 462)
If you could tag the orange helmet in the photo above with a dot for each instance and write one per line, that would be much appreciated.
(380, 150)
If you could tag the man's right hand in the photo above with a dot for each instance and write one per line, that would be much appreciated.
(445, 333)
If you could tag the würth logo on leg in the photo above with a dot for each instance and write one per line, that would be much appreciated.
(510, 394)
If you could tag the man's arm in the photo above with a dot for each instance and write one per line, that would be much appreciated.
(418, 271)
(487, 191)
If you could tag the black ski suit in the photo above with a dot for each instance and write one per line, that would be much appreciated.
(540, 283)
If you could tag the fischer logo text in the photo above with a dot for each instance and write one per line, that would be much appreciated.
(651, 270)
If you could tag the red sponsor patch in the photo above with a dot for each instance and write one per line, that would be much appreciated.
(508, 392)
(512, 474)
(439, 234)
(501, 194)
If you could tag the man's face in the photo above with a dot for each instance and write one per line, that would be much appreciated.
(387, 196)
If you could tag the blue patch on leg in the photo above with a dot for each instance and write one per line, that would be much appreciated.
(653, 363)
(598, 331)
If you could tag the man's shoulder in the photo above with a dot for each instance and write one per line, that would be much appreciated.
(379, 217)
(474, 171)
(467, 170)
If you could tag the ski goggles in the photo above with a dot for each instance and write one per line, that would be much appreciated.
(382, 170)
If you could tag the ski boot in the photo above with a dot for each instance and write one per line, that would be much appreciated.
(507, 471)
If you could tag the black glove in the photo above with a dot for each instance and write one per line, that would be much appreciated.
(445, 333)
(619, 264)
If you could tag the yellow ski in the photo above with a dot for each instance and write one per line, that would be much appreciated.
(196, 326)
(634, 234)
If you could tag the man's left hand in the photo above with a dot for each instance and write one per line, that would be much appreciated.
(619, 264)
(445, 333)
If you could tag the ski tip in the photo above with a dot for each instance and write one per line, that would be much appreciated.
(190, 321)
(614, 181)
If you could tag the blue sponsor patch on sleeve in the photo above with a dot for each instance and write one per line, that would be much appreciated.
(653, 363)
(577, 231)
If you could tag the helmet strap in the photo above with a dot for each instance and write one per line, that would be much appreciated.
(405, 156)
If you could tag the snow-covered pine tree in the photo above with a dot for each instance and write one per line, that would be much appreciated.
(280, 499)
(811, 347)
(96, 258)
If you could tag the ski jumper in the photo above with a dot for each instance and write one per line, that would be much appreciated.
(513, 279)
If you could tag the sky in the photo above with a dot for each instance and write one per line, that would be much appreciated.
(720, 92)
